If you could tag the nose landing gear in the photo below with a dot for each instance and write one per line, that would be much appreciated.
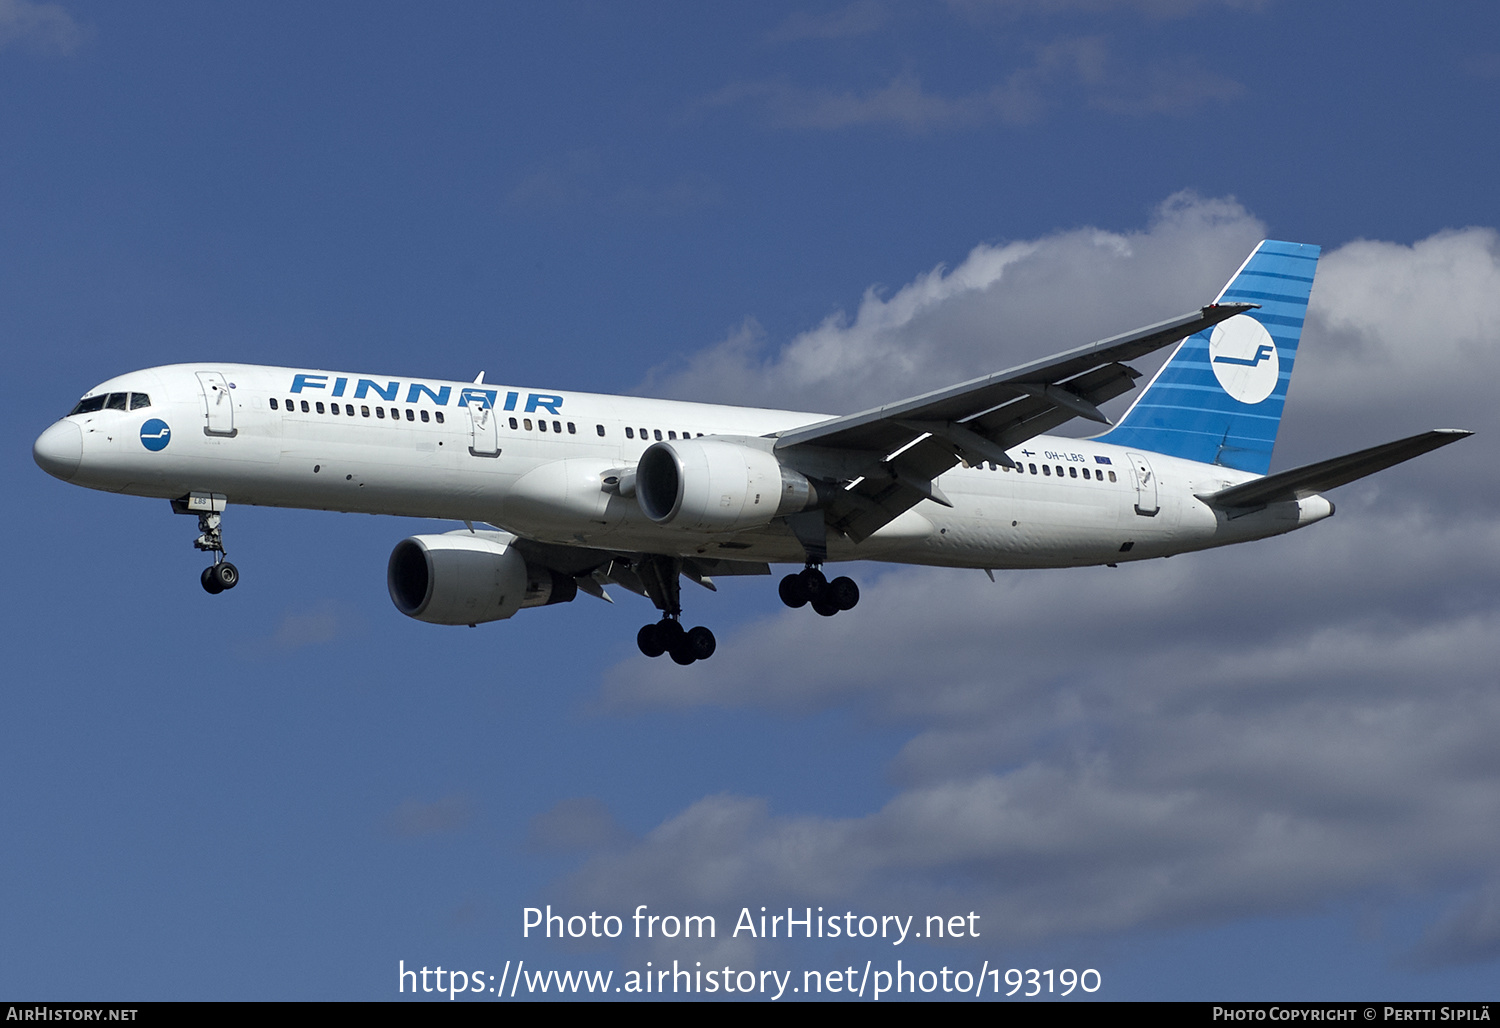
(810, 586)
(220, 576)
(209, 507)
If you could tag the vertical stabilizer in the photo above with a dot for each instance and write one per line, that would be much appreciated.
(1218, 399)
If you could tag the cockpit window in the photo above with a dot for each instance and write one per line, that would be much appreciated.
(117, 401)
(88, 406)
(139, 400)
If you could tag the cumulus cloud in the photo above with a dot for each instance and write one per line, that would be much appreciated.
(415, 818)
(857, 19)
(1258, 730)
(580, 823)
(42, 27)
(1004, 304)
(1052, 8)
(1054, 73)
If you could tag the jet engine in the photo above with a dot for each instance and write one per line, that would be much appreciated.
(713, 485)
(463, 578)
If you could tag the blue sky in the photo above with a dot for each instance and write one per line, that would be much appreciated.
(1267, 772)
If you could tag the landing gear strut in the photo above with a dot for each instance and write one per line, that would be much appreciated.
(221, 574)
(810, 586)
(661, 578)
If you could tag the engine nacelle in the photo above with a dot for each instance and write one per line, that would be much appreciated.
(463, 578)
(713, 485)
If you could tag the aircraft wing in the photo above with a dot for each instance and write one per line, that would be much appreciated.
(892, 454)
(1310, 479)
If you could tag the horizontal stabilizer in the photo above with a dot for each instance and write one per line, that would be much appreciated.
(1299, 483)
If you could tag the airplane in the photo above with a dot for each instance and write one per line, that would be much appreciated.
(575, 491)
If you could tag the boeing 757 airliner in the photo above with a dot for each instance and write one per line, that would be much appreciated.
(575, 491)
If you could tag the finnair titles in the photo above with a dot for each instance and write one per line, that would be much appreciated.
(562, 492)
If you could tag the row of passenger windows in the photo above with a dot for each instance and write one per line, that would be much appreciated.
(1073, 470)
(541, 424)
(348, 411)
(630, 433)
(111, 401)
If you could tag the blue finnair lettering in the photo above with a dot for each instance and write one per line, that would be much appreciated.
(417, 389)
(1263, 352)
(478, 397)
(440, 396)
(364, 385)
(155, 435)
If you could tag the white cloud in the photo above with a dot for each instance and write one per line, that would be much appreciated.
(1004, 304)
(1055, 72)
(856, 19)
(415, 818)
(45, 28)
(1257, 730)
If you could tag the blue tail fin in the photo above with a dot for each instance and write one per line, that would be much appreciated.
(1218, 398)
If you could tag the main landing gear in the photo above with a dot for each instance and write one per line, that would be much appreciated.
(660, 576)
(810, 586)
(685, 645)
(221, 574)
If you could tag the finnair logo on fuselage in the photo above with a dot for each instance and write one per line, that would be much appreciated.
(1244, 359)
(155, 435)
(390, 392)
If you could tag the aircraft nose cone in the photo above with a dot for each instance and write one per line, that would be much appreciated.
(59, 450)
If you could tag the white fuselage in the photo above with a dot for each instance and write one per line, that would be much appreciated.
(538, 464)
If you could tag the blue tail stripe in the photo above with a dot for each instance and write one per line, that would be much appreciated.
(1188, 411)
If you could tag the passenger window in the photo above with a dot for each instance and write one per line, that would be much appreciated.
(557, 426)
(1033, 469)
(644, 435)
(139, 400)
(333, 408)
(600, 430)
(349, 409)
(410, 416)
(629, 432)
(305, 408)
(364, 411)
(439, 416)
(514, 423)
(1072, 472)
(273, 403)
(671, 434)
(658, 435)
(1046, 469)
(395, 414)
(1112, 477)
(320, 406)
(117, 401)
(527, 423)
(425, 416)
(541, 424)
(572, 428)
